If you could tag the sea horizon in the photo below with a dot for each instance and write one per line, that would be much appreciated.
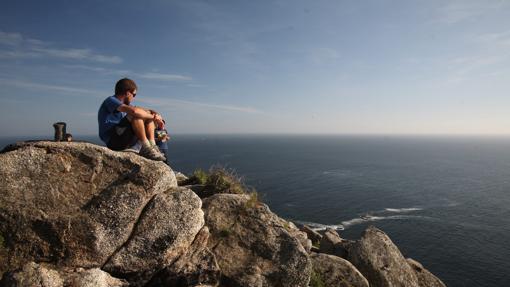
(442, 200)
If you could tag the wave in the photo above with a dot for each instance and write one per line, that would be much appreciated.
(402, 210)
(368, 217)
(320, 227)
(341, 173)
(358, 220)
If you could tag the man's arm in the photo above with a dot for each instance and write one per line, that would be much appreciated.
(135, 112)
(141, 113)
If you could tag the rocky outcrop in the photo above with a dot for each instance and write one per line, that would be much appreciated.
(76, 214)
(32, 274)
(335, 271)
(425, 278)
(297, 233)
(164, 231)
(252, 246)
(35, 275)
(380, 261)
(81, 205)
(314, 236)
(332, 243)
(197, 266)
(74, 204)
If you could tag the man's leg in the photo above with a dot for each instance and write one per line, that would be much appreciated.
(139, 129)
(122, 136)
(150, 127)
(142, 131)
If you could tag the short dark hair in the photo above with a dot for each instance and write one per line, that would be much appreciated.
(124, 85)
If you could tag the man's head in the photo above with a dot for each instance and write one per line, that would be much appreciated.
(125, 89)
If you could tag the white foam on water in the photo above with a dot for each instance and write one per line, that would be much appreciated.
(360, 220)
(402, 210)
(368, 217)
(320, 227)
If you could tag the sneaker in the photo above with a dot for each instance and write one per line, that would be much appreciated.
(159, 151)
(151, 153)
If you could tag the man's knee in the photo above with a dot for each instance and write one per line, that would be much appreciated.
(137, 124)
(149, 123)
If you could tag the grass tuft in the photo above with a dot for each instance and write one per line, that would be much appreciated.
(220, 180)
(225, 180)
(253, 201)
(199, 176)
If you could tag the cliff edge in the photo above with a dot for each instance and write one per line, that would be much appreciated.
(78, 214)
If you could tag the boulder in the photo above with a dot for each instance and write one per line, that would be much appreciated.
(181, 178)
(425, 278)
(197, 266)
(36, 275)
(336, 271)
(313, 235)
(298, 234)
(82, 205)
(332, 243)
(32, 275)
(252, 245)
(165, 230)
(91, 278)
(380, 261)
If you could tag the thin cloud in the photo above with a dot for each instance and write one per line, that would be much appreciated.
(459, 11)
(494, 39)
(18, 55)
(11, 39)
(164, 77)
(490, 57)
(182, 103)
(152, 101)
(102, 70)
(20, 47)
(78, 54)
(46, 87)
(149, 76)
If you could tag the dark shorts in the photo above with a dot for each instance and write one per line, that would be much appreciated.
(122, 136)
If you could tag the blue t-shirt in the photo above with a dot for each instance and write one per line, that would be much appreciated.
(108, 117)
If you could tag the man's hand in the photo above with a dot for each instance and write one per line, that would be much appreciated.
(158, 119)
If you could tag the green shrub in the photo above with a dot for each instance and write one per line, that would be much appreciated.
(222, 180)
(316, 280)
(199, 176)
(253, 201)
(225, 180)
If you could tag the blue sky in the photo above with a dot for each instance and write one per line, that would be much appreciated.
(362, 67)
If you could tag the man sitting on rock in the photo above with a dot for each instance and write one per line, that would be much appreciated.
(121, 125)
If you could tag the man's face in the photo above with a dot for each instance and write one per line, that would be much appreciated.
(129, 97)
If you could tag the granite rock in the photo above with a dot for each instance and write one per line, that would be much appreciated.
(336, 271)
(252, 245)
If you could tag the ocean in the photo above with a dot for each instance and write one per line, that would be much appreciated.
(444, 201)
